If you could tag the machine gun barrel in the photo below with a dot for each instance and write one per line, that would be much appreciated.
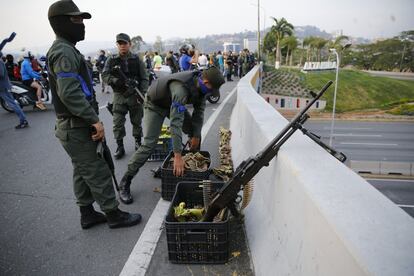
(227, 195)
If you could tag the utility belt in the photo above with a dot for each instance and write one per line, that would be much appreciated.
(68, 122)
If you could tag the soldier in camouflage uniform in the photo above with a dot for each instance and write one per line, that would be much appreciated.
(77, 125)
(125, 99)
(167, 97)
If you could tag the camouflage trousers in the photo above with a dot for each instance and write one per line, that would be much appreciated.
(154, 117)
(121, 106)
(91, 175)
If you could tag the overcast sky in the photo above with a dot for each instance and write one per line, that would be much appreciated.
(195, 18)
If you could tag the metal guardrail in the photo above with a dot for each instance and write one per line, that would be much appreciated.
(382, 167)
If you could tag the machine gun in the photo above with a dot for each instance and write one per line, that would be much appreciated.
(228, 194)
(132, 87)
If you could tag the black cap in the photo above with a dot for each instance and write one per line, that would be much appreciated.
(215, 78)
(123, 37)
(66, 7)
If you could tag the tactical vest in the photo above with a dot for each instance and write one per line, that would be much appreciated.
(86, 84)
(129, 66)
(159, 92)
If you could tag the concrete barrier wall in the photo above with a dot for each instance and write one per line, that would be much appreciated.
(310, 214)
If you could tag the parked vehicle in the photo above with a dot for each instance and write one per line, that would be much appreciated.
(26, 96)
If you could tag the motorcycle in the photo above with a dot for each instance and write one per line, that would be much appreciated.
(213, 99)
(26, 96)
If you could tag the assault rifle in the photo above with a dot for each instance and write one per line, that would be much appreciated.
(132, 87)
(103, 151)
(227, 196)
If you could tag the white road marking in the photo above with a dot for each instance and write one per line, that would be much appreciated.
(357, 135)
(102, 107)
(349, 128)
(140, 257)
(390, 180)
(368, 144)
(405, 206)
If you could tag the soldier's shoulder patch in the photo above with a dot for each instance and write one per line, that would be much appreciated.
(65, 65)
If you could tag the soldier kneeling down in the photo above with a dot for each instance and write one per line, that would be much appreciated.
(168, 97)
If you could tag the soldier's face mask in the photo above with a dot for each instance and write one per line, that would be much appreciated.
(205, 89)
(68, 27)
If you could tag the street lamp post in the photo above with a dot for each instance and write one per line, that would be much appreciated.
(336, 88)
(258, 24)
(258, 30)
(334, 100)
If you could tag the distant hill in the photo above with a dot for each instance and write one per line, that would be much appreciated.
(304, 31)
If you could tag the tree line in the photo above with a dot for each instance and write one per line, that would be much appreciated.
(394, 54)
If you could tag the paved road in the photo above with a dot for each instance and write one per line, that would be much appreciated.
(393, 75)
(401, 192)
(373, 141)
(40, 232)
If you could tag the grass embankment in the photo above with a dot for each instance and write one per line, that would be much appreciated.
(360, 91)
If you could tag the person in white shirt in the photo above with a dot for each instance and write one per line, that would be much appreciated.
(203, 61)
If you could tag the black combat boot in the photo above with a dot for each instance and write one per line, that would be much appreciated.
(137, 143)
(124, 189)
(89, 217)
(118, 218)
(120, 150)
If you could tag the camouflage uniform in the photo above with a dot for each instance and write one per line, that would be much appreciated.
(69, 80)
(167, 97)
(123, 100)
(77, 118)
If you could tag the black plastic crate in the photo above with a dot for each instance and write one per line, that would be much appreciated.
(196, 242)
(169, 181)
(162, 149)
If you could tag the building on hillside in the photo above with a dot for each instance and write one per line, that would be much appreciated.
(284, 90)
(291, 103)
(230, 46)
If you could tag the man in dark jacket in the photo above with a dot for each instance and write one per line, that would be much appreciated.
(7, 97)
(100, 65)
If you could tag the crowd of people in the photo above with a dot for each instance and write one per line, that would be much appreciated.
(188, 58)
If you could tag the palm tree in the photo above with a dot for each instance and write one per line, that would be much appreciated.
(319, 44)
(308, 42)
(338, 44)
(291, 43)
(281, 28)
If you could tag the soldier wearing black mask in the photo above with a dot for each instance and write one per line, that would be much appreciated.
(78, 127)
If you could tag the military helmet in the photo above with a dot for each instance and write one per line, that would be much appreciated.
(66, 7)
